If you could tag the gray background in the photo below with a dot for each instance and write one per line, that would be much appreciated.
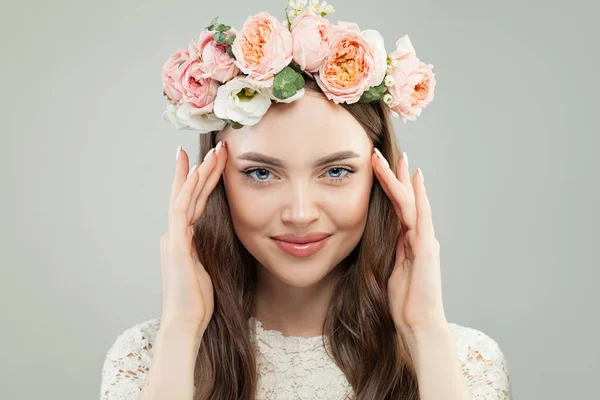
(507, 149)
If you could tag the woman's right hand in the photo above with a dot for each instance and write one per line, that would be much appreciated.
(188, 299)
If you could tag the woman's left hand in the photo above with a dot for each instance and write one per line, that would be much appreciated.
(415, 285)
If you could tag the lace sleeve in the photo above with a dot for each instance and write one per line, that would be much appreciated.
(128, 361)
(483, 364)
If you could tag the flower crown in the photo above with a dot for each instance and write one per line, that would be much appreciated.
(231, 77)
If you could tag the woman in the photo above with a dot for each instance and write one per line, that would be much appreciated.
(311, 269)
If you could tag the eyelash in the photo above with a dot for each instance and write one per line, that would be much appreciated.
(336, 181)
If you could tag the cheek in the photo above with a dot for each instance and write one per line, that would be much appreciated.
(248, 208)
(348, 207)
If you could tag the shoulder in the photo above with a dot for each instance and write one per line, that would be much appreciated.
(483, 363)
(128, 361)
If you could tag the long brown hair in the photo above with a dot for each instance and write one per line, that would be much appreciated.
(364, 341)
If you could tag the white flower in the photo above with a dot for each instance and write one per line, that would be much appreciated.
(321, 8)
(297, 4)
(241, 101)
(389, 81)
(203, 123)
(170, 114)
(296, 7)
(387, 98)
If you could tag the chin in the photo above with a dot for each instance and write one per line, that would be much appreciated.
(300, 277)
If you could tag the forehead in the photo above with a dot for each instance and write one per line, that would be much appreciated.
(308, 127)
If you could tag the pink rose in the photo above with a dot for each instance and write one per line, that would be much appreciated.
(213, 56)
(310, 33)
(196, 88)
(414, 81)
(356, 61)
(168, 72)
(262, 48)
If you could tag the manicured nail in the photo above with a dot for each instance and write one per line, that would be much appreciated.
(192, 170)
(405, 157)
(178, 153)
(218, 147)
(209, 153)
(381, 157)
(421, 174)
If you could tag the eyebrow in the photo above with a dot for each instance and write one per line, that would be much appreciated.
(262, 158)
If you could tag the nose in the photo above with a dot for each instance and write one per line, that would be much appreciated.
(303, 207)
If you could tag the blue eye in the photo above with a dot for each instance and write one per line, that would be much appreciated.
(262, 174)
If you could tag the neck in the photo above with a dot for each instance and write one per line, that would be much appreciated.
(294, 311)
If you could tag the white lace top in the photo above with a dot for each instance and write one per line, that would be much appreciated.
(298, 368)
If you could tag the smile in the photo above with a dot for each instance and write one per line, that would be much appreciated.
(301, 249)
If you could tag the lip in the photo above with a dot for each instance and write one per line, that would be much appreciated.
(302, 239)
(301, 249)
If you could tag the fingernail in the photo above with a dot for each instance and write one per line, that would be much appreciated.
(192, 170)
(405, 157)
(381, 157)
(209, 153)
(421, 174)
(218, 147)
(178, 153)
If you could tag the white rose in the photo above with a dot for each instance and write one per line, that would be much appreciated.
(242, 101)
(170, 114)
(182, 118)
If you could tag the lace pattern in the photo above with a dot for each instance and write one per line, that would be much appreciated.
(293, 367)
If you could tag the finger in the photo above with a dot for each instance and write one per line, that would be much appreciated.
(374, 161)
(178, 222)
(163, 260)
(204, 170)
(403, 174)
(181, 171)
(396, 192)
(212, 180)
(424, 219)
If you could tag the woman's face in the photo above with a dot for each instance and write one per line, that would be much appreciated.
(298, 196)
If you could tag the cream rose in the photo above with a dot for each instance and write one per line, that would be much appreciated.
(169, 71)
(310, 33)
(262, 48)
(195, 88)
(356, 61)
(414, 82)
(213, 57)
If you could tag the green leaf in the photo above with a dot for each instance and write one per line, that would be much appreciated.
(212, 23)
(287, 82)
(222, 28)
(230, 39)
(374, 93)
(234, 124)
(284, 91)
(288, 74)
(287, 17)
(296, 67)
(230, 52)
(219, 37)
(181, 62)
